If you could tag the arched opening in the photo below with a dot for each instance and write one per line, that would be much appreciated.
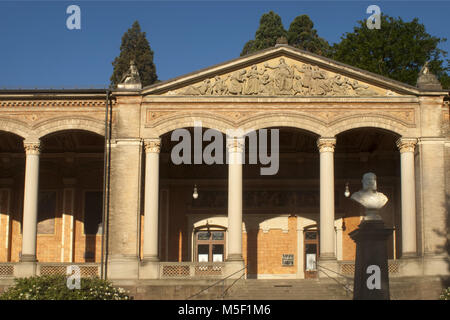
(276, 201)
(12, 164)
(182, 168)
(359, 151)
(70, 205)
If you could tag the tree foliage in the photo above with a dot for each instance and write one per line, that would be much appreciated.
(270, 29)
(302, 35)
(398, 50)
(135, 47)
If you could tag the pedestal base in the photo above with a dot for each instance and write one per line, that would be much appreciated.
(149, 269)
(123, 267)
(371, 280)
(234, 268)
(25, 269)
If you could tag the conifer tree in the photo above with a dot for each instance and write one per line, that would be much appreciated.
(302, 35)
(135, 47)
(270, 29)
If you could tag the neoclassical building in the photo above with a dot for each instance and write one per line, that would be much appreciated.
(87, 177)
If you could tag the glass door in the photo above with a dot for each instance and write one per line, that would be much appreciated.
(311, 242)
(210, 246)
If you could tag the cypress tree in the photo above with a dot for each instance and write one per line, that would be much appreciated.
(270, 29)
(302, 35)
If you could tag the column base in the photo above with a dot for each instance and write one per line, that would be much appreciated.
(28, 258)
(150, 259)
(235, 257)
(327, 256)
(409, 255)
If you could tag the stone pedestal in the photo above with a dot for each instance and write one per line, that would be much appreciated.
(371, 280)
(234, 269)
(149, 270)
(25, 269)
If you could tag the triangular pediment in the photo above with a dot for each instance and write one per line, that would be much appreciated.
(281, 71)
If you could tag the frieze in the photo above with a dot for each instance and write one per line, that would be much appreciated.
(326, 116)
(262, 199)
(278, 77)
(51, 103)
(36, 117)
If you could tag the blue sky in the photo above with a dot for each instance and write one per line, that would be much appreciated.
(37, 49)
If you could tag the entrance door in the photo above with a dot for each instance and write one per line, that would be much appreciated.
(210, 246)
(311, 248)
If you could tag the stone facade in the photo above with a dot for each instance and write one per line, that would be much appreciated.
(336, 122)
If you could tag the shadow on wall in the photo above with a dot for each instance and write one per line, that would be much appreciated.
(445, 280)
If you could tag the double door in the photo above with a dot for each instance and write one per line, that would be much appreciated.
(210, 246)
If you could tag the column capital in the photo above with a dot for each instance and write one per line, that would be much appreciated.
(326, 144)
(32, 147)
(235, 144)
(152, 145)
(406, 144)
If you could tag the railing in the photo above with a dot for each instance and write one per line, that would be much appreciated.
(348, 267)
(348, 280)
(190, 270)
(87, 270)
(222, 281)
(6, 270)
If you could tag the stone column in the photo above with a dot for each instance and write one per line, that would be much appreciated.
(125, 207)
(152, 149)
(327, 235)
(406, 147)
(235, 147)
(30, 202)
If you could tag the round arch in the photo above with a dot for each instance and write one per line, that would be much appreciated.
(187, 121)
(62, 124)
(285, 120)
(18, 128)
(355, 122)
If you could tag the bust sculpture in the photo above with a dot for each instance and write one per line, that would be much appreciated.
(369, 197)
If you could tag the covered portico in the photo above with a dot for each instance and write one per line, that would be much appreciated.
(335, 122)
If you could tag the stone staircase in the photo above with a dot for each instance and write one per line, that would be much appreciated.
(307, 289)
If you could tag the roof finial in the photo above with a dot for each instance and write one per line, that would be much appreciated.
(131, 79)
(281, 41)
(426, 80)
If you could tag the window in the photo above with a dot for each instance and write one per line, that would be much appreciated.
(210, 246)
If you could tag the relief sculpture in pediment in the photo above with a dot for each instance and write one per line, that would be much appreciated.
(279, 79)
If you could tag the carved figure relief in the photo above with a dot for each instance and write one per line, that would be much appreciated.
(280, 79)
